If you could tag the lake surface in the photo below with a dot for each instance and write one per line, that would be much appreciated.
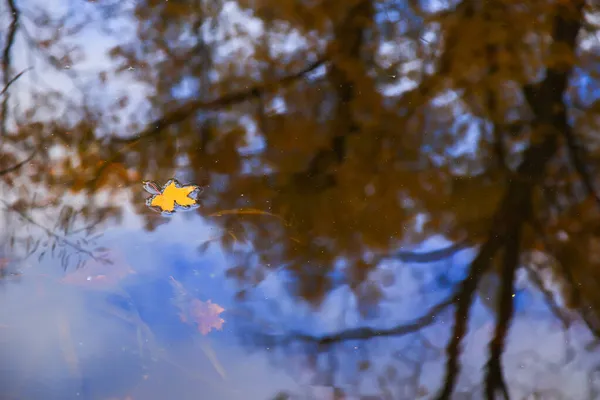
(109, 331)
(373, 200)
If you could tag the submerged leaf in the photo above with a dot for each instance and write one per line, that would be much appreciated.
(206, 315)
(191, 310)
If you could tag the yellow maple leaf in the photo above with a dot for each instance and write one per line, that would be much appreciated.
(171, 197)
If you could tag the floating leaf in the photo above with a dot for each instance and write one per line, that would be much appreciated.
(171, 197)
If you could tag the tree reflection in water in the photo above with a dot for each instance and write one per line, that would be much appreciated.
(366, 127)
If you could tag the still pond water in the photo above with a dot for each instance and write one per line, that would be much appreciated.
(164, 320)
(233, 301)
